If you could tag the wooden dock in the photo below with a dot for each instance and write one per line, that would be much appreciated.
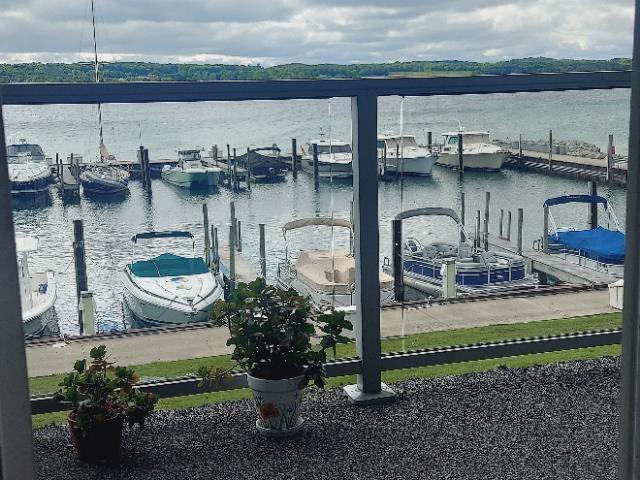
(245, 272)
(554, 265)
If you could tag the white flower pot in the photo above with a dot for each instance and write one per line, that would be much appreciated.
(278, 405)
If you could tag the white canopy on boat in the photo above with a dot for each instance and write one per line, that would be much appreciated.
(308, 222)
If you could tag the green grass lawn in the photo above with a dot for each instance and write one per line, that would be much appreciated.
(41, 385)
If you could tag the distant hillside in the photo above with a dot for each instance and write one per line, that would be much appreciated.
(139, 71)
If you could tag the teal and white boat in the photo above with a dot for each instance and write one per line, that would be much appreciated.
(190, 172)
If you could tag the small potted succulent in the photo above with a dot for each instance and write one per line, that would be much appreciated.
(272, 331)
(102, 398)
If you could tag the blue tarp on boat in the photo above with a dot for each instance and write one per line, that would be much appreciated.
(601, 244)
(169, 265)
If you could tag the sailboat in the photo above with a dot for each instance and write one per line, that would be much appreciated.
(102, 178)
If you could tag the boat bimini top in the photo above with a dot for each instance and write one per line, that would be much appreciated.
(605, 245)
(433, 211)
(315, 221)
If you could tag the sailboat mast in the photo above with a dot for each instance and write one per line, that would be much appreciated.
(97, 76)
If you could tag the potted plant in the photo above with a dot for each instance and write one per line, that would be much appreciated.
(272, 330)
(102, 398)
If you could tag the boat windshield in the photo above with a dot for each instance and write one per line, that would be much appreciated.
(169, 265)
(24, 152)
(469, 138)
(189, 155)
(334, 148)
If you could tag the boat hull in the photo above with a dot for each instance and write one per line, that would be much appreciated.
(203, 179)
(475, 161)
(328, 170)
(415, 166)
(97, 184)
(37, 317)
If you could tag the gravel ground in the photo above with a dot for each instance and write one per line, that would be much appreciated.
(553, 421)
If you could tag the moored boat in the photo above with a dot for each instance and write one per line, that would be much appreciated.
(326, 276)
(401, 153)
(37, 290)
(170, 289)
(29, 173)
(334, 158)
(478, 153)
(190, 172)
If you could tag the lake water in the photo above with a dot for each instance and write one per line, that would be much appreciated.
(109, 225)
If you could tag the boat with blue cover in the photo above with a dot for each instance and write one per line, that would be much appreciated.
(600, 248)
(169, 289)
(476, 269)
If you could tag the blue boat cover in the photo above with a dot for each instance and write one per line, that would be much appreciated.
(169, 265)
(575, 199)
(601, 244)
(166, 234)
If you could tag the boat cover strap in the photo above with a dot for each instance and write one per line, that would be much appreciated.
(600, 244)
(169, 265)
(575, 199)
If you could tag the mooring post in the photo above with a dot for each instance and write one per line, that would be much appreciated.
(87, 308)
(545, 227)
(462, 217)
(487, 201)
(384, 160)
(216, 249)
(397, 161)
(80, 263)
(398, 275)
(519, 233)
(140, 153)
(232, 257)
(294, 157)
(214, 154)
(430, 141)
(550, 148)
(449, 289)
(228, 166)
(520, 146)
(263, 251)
(500, 231)
(460, 156)
(236, 181)
(147, 170)
(593, 207)
(509, 226)
(316, 172)
(476, 239)
(239, 236)
(248, 165)
(610, 159)
(58, 169)
(207, 239)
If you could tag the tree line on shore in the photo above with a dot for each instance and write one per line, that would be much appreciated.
(142, 71)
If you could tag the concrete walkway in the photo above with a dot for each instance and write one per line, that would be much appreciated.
(202, 341)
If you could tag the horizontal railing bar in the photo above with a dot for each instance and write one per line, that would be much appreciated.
(468, 353)
(394, 361)
(146, 92)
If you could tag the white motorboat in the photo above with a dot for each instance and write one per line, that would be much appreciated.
(28, 169)
(327, 277)
(334, 158)
(414, 159)
(478, 153)
(190, 172)
(37, 290)
(170, 289)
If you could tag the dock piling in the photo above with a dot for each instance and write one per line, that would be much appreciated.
(239, 235)
(263, 252)
(449, 279)
(88, 311)
(236, 181)
(207, 239)
(248, 168)
(430, 141)
(398, 276)
(610, 158)
(80, 264)
(500, 230)
(232, 258)
(316, 172)
(228, 166)
(520, 222)
(550, 148)
(593, 207)
(215, 252)
(384, 160)
(397, 161)
(476, 239)
(508, 238)
(294, 157)
(460, 156)
(520, 146)
(462, 216)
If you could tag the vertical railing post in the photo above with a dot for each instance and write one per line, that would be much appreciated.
(364, 120)
(16, 444)
(629, 445)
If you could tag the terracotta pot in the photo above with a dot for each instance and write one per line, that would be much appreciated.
(99, 445)
(277, 403)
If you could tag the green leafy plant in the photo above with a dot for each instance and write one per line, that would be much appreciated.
(98, 392)
(272, 331)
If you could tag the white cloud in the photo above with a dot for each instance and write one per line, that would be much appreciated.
(314, 31)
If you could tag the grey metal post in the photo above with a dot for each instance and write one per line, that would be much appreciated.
(248, 165)
(207, 240)
(610, 158)
(80, 265)
(430, 140)
(364, 122)
(629, 444)
(294, 156)
(239, 237)
(545, 233)
(460, 156)
(16, 444)
(550, 148)
(500, 231)
(519, 233)
(593, 207)
(232, 258)
(398, 274)
(509, 225)
(263, 251)
(520, 146)
(316, 173)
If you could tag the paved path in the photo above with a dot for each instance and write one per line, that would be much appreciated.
(202, 341)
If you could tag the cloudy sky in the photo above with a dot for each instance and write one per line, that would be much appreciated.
(314, 31)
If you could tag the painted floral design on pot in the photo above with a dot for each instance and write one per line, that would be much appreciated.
(277, 403)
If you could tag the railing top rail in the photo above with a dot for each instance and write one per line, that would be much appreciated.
(237, 90)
